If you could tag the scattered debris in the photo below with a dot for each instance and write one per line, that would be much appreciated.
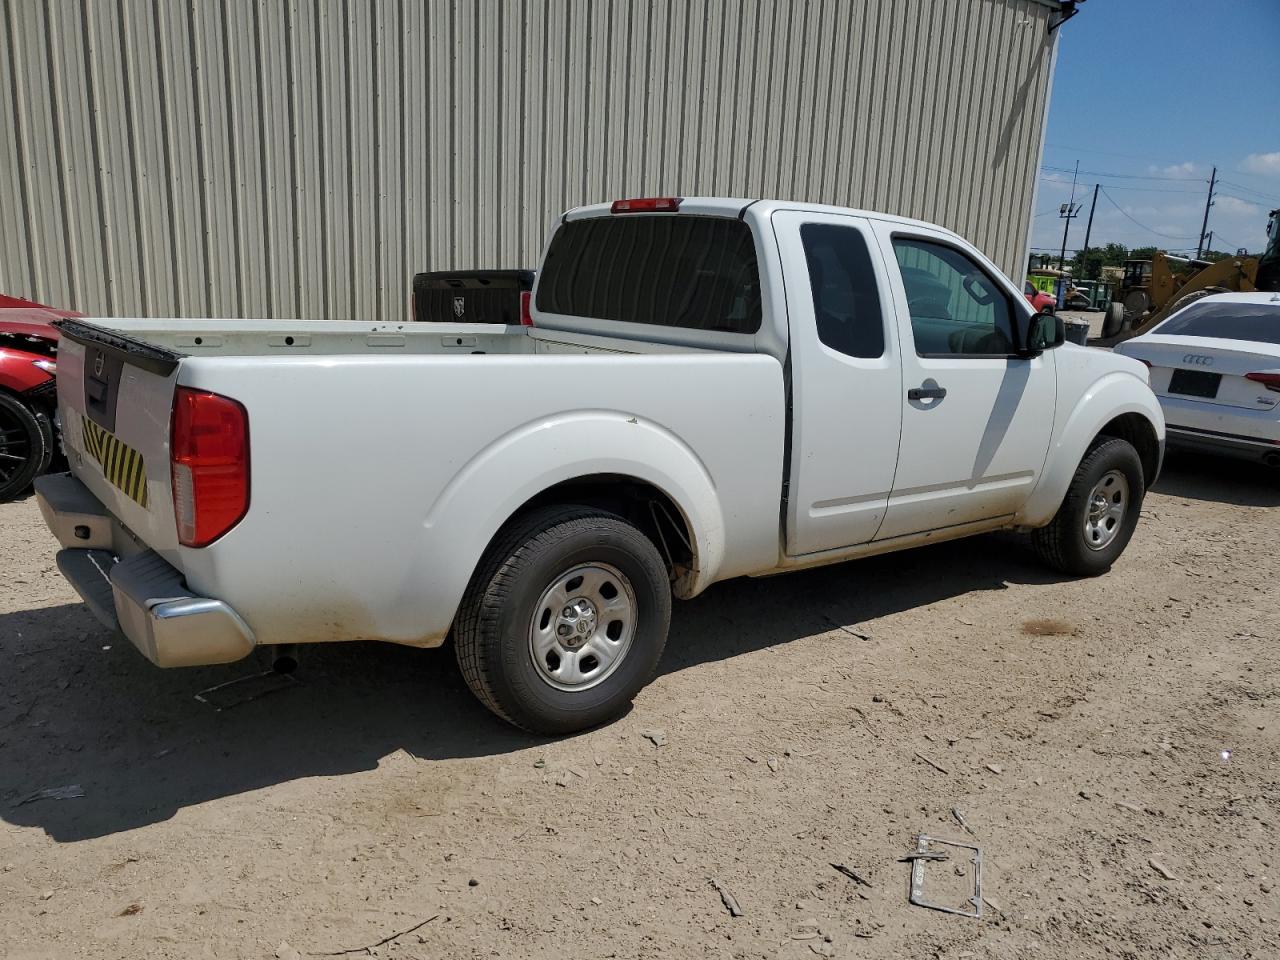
(132, 910)
(242, 690)
(47, 895)
(730, 901)
(995, 768)
(597, 901)
(1132, 808)
(473, 882)
(627, 771)
(922, 854)
(285, 952)
(851, 631)
(773, 764)
(959, 818)
(823, 949)
(562, 778)
(369, 947)
(851, 873)
(1048, 628)
(657, 737)
(70, 791)
(937, 766)
(1161, 869)
(804, 930)
(539, 763)
(578, 772)
(993, 904)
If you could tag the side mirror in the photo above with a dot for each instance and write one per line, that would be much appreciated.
(1044, 332)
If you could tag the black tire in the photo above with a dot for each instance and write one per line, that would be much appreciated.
(1063, 544)
(24, 451)
(1113, 320)
(492, 632)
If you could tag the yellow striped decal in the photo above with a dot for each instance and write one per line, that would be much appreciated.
(121, 464)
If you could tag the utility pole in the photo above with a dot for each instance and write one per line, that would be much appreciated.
(1068, 211)
(1213, 179)
(1208, 244)
(1089, 229)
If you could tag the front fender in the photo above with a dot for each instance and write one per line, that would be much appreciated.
(18, 372)
(1110, 396)
(489, 489)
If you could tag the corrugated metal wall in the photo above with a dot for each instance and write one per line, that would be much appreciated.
(284, 158)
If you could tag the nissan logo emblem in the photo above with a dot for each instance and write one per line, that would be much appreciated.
(1198, 359)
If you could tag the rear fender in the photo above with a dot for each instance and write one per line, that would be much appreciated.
(491, 488)
(1111, 396)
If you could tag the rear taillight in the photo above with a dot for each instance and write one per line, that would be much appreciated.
(526, 318)
(647, 205)
(1269, 380)
(209, 455)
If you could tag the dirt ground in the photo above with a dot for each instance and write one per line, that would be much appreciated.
(1111, 744)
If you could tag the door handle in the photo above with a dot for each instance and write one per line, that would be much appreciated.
(934, 392)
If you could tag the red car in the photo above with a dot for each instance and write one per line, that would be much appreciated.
(1040, 301)
(28, 394)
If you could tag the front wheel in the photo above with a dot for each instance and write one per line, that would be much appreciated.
(1099, 513)
(565, 620)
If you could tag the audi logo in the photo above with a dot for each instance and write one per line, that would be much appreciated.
(1199, 359)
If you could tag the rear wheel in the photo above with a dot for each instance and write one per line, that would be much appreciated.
(24, 449)
(565, 620)
(1099, 513)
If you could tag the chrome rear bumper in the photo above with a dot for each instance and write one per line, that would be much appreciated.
(140, 595)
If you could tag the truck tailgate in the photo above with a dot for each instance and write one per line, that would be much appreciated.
(115, 395)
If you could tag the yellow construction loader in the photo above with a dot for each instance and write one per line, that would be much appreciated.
(1151, 290)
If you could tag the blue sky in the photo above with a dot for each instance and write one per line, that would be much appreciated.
(1153, 93)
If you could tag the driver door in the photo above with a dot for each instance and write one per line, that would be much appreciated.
(976, 417)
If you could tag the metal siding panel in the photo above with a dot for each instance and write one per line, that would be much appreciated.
(122, 232)
(148, 131)
(307, 198)
(252, 157)
(440, 135)
(276, 162)
(362, 250)
(16, 275)
(36, 135)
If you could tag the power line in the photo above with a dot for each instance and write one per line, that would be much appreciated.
(1140, 223)
(1121, 186)
(1271, 198)
(1124, 176)
(1108, 153)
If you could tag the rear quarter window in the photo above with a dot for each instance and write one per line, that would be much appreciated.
(699, 273)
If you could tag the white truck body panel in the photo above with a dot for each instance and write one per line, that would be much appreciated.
(384, 458)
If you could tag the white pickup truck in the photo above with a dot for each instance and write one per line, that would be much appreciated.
(711, 388)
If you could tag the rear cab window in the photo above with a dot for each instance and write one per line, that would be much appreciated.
(842, 280)
(691, 272)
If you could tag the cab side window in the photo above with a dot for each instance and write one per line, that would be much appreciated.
(846, 302)
(956, 308)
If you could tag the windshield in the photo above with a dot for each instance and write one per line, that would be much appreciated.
(1259, 322)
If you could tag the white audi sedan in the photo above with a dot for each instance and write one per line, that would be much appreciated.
(1215, 365)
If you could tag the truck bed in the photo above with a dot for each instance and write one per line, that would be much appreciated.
(384, 456)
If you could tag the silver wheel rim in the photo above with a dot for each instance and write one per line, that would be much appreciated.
(1108, 501)
(583, 626)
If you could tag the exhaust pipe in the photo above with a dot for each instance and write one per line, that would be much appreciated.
(284, 657)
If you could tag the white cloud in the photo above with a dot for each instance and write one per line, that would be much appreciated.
(1234, 205)
(1266, 164)
(1181, 170)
